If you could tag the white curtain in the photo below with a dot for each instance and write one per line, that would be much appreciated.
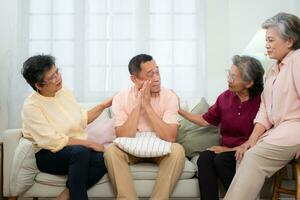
(93, 41)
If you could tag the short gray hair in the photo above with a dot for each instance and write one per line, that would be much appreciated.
(288, 25)
(251, 70)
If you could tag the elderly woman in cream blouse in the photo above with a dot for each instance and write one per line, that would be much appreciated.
(275, 139)
(55, 122)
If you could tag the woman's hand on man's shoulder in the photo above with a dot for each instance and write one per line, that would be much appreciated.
(107, 102)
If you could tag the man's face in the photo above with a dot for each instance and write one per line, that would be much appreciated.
(149, 71)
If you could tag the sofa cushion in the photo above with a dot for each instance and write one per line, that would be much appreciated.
(101, 131)
(59, 180)
(194, 138)
(140, 171)
(144, 144)
(24, 167)
(149, 171)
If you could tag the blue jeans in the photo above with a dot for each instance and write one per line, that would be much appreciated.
(84, 167)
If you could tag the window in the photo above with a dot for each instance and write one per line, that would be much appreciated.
(93, 41)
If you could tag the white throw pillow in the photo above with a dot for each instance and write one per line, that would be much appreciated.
(24, 168)
(144, 145)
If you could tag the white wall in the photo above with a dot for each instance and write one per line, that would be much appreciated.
(246, 17)
(231, 24)
(217, 47)
(8, 19)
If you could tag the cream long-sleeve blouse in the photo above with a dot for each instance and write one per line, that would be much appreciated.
(50, 121)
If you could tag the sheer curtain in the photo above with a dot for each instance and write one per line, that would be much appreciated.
(93, 41)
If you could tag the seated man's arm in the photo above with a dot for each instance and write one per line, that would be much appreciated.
(125, 123)
(166, 131)
(129, 127)
(166, 127)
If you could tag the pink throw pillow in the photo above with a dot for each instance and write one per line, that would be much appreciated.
(101, 131)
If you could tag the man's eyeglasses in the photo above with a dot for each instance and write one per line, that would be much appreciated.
(53, 78)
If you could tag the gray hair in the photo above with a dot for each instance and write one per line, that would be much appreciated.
(288, 26)
(251, 70)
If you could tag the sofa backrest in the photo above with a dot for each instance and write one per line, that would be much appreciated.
(11, 140)
(88, 105)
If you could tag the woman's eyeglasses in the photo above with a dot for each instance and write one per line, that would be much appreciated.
(230, 77)
(53, 78)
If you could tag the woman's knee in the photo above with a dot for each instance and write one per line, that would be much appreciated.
(97, 159)
(224, 159)
(249, 156)
(80, 152)
(205, 157)
(219, 161)
(97, 164)
(249, 160)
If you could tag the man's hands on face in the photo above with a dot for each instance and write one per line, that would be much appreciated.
(145, 94)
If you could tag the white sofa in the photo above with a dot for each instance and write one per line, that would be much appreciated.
(22, 179)
(46, 185)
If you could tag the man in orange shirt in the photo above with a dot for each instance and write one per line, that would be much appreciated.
(145, 107)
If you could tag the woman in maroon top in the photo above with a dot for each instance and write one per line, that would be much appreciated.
(234, 111)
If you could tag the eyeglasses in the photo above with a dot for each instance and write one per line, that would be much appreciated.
(53, 78)
(230, 77)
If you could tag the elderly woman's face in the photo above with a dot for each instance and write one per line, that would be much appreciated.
(277, 47)
(234, 79)
(52, 82)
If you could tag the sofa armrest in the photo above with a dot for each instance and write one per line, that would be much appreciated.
(10, 139)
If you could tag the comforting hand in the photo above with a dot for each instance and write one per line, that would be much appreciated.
(219, 149)
(240, 151)
(107, 103)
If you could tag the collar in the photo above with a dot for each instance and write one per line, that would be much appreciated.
(277, 67)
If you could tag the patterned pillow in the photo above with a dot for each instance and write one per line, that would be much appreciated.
(144, 145)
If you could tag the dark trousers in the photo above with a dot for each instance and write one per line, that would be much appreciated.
(212, 167)
(83, 166)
